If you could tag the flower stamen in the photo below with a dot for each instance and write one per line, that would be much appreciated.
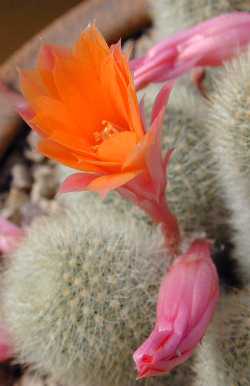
(109, 130)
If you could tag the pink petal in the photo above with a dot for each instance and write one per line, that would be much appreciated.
(135, 63)
(77, 182)
(104, 184)
(46, 59)
(211, 26)
(141, 187)
(143, 114)
(214, 50)
(167, 159)
(166, 57)
(154, 159)
(203, 289)
(208, 44)
(161, 100)
(187, 300)
(26, 113)
(163, 73)
(197, 332)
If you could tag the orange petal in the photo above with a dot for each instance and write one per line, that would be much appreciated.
(89, 85)
(117, 97)
(136, 159)
(121, 61)
(105, 184)
(86, 104)
(91, 46)
(55, 130)
(125, 80)
(54, 120)
(61, 154)
(76, 182)
(98, 69)
(117, 147)
(31, 85)
(52, 108)
(45, 67)
(105, 166)
(73, 93)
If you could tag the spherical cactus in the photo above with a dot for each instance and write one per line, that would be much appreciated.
(80, 295)
(229, 129)
(224, 355)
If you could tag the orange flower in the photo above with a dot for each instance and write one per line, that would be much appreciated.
(83, 104)
(85, 108)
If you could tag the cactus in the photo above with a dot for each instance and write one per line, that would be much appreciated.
(223, 358)
(81, 294)
(229, 129)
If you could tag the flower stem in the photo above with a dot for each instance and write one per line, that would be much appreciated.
(161, 214)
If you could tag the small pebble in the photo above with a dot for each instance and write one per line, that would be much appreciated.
(31, 153)
(46, 183)
(21, 178)
(16, 199)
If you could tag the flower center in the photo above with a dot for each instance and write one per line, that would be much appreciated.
(108, 131)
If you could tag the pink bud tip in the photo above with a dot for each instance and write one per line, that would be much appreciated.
(207, 44)
(186, 303)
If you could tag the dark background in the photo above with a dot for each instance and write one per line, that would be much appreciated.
(21, 19)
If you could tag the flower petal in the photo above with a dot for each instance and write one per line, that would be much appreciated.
(31, 85)
(161, 100)
(91, 46)
(136, 159)
(127, 84)
(65, 156)
(180, 326)
(209, 43)
(76, 182)
(105, 184)
(117, 147)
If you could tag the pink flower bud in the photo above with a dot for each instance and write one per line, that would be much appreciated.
(209, 43)
(187, 300)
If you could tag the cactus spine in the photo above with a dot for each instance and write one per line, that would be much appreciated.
(229, 129)
(223, 358)
(81, 294)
